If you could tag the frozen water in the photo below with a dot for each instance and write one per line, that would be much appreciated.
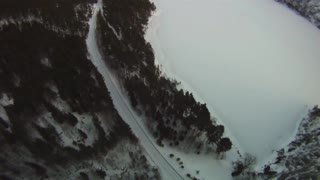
(255, 63)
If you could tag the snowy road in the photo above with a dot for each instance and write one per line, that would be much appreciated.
(122, 105)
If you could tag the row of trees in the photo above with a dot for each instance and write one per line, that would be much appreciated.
(172, 113)
(51, 12)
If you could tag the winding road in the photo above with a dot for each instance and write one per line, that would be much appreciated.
(122, 104)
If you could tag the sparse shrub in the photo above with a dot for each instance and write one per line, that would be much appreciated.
(84, 176)
(4, 123)
(159, 142)
(101, 173)
(143, 159)
(237, 168)
(171, 155)
(242, 165)
(37, 168)
(291, 149)
(224, 145)
(72, 120)
(82, 134)
(5, 177)
(280, 156)
(249, 160)
(268, 171)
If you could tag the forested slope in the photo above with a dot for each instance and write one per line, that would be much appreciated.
(57, 120)
(173, 116)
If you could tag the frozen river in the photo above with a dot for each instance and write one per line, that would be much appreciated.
(254, 62)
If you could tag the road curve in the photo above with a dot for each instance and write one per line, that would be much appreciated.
(122, 105)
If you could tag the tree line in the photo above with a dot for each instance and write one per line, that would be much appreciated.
(172, 114)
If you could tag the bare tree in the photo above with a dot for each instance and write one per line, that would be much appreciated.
(248, 160)
(244, 164)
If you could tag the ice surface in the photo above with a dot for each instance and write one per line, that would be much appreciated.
(255, 63)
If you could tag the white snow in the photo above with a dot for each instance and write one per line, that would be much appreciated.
(32, 19)
(118, 35)
(86, 125)
(255, 63)
(46, 62)
(208, 165)
(6, 100)
(20, 20)
(60, 104)
(4, 115)
(121, 103)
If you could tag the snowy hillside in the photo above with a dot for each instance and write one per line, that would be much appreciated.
(307, 8)
(57, 120)
(297, 160)
(301, 158)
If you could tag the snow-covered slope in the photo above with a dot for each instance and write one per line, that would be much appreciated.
(301, 158)
(297, 160)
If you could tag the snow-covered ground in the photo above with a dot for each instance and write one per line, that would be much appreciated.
(5, 100)
(255, 63)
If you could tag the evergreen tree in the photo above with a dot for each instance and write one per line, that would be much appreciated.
(224, 145)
